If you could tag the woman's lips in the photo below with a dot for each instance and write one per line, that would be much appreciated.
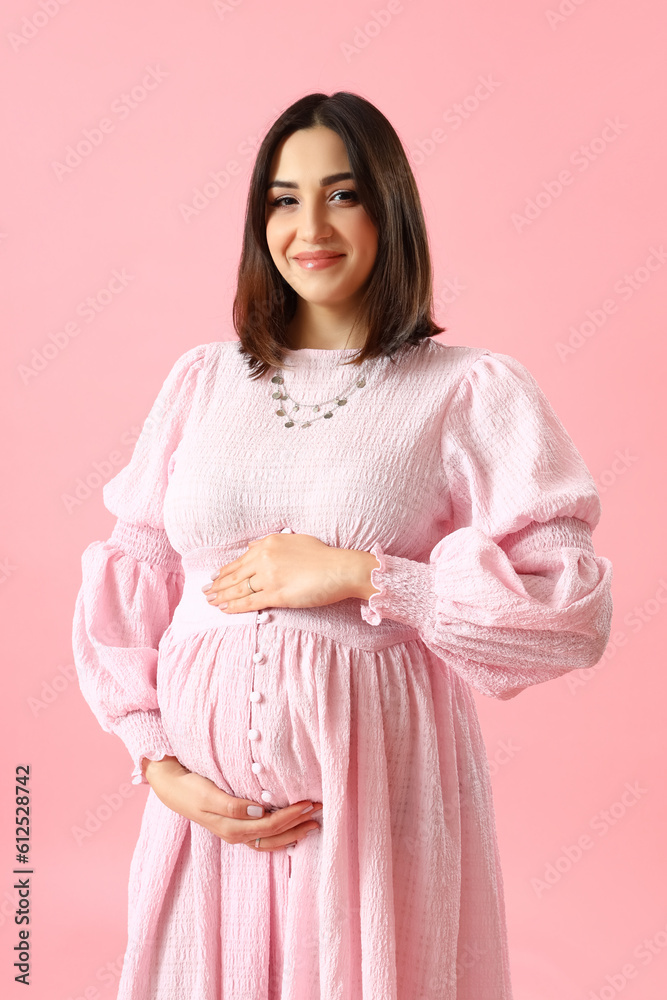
(318, 264)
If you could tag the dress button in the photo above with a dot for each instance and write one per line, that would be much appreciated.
(266, 796)
(255, 696)
(257, 767)
(263, 616)
(258, 657)
(253, 734)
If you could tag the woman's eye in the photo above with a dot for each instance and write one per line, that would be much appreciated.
(279, 202)
(348, 191)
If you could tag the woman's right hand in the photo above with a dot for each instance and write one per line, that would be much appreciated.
(199, 799)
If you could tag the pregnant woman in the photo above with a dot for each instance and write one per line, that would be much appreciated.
(331, 530)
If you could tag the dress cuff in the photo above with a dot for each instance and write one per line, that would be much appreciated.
(146, 544)
(143, 734)
(138, 777)
(405, 590)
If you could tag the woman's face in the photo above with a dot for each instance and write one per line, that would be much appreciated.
(314, 207)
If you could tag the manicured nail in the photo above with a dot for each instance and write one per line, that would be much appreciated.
(207, 587)
(314, 829)
(306, 810)
(255, 811)
(222, 605)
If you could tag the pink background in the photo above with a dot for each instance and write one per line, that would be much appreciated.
(577, 96)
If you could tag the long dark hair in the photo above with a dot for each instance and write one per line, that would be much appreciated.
(396, 308)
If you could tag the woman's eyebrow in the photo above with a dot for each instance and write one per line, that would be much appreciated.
(330, 179)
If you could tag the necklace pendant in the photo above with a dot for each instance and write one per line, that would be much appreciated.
(314, 407)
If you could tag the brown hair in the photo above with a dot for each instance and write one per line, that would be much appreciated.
(397, 304)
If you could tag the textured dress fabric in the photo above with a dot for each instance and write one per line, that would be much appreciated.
(452, 468)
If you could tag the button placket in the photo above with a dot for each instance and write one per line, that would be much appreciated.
(255, 698)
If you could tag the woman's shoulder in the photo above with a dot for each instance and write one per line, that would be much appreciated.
(480, 368)
(446, 365)
(214, 353)
(203, 360)
(197, 356)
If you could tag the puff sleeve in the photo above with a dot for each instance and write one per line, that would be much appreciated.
(132, 582)
(514, 594)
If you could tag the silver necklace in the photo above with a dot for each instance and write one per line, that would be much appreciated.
(358, 383)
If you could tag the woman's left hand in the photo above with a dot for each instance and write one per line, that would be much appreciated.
(288, 570)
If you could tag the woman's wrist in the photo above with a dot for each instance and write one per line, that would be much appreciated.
(148, 766)
(359, 567)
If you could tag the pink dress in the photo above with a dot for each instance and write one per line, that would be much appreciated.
(449, 465)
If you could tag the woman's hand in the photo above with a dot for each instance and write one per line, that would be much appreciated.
(200, 800)
(291, 571)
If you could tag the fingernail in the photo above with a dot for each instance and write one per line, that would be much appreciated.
(207, 587)
(222, 605)
(255, 811)
(306, 810)
(314, 829)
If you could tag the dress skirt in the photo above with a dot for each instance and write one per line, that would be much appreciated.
(398, 896)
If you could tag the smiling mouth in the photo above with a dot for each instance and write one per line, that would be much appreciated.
(318, 263)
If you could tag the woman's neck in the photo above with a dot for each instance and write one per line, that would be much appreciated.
(323, 333)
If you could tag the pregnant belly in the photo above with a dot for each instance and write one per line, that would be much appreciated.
(239, 706)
